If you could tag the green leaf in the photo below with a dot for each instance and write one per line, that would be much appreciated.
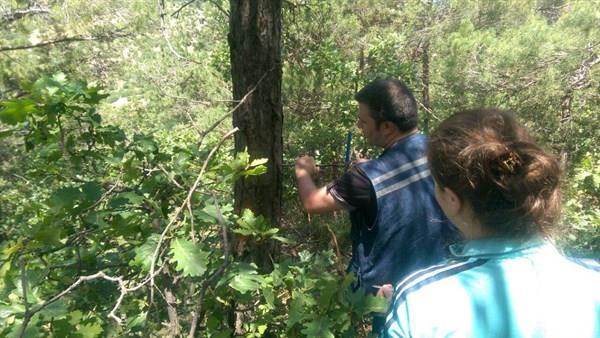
(283, 239)
(93, 96)
(48, 234)
(202, 216)
(209, 213)
(144, 253)
(246, 282)
(92, 330)
(97, 218)
(258, 161)
(376, 304)
(92, 191)
(255, 171)
(318, 328)
(225, 333)
(126, 198)
(55, 310)
(245, 278)
(189, 257)
(9, 310)
(244, 232)
(63, 198)
(137, 321)
(63, 328)
(296, 310)
(250, 222)
(269, 296)
(16, 111)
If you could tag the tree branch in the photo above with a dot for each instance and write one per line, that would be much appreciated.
(161, 13)
(102, 37)
(176, 13)
(9, 17)
(99, 275)
(215, 3)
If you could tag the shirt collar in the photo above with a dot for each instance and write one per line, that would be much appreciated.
(494, 246)
(402, 141)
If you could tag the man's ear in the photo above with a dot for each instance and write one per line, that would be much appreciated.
(388, 127)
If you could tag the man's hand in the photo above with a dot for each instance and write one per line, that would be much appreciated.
(306, 165)
(314, 200)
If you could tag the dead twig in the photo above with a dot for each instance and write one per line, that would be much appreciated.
(161, 11)
(29, 313)
(176, 13)
(9, 17)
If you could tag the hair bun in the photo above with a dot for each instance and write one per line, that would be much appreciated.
(489, 160)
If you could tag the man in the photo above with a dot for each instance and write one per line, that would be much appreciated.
(397, 226)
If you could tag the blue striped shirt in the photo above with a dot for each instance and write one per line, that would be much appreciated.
(498, 288)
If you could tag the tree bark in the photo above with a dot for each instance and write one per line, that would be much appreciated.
(255, 51)
(255, 47)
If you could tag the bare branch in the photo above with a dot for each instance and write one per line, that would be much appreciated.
(101, 37)
(99, 275)
(215, 3)
(172, 179)
(161, 11)
(226, 12)
(176, 13)
(9, 17)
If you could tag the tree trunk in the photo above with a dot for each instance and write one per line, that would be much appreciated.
(255, 46)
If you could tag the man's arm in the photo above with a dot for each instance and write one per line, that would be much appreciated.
(315, 200)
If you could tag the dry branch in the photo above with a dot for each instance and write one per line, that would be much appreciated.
(99, 275)
(9, 17)
(161, 11)
(100, 37)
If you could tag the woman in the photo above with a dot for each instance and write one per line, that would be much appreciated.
(506, 279)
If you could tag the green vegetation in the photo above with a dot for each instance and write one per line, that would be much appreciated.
(117, 213)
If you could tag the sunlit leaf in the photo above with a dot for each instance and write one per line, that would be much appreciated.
(16, 111)
(144, 253)
(189, 257)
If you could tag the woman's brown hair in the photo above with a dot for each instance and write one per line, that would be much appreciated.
(488, 159)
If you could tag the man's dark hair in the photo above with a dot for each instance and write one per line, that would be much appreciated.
(390, 100)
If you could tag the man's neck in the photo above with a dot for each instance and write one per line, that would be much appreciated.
(398, 137)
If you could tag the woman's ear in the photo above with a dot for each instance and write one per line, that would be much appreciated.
(452, 202)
